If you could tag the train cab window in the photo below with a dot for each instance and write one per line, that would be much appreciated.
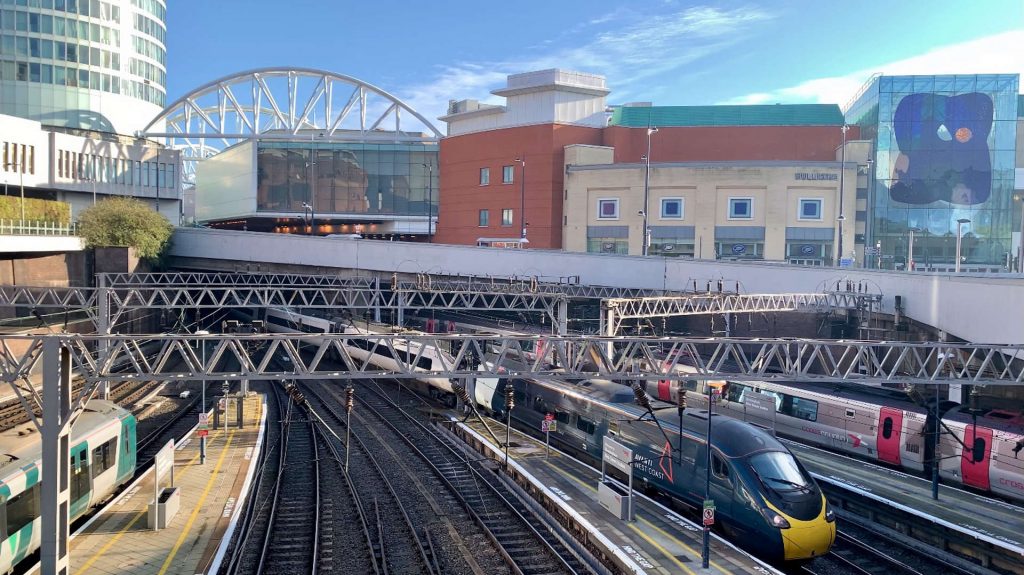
(520, 397)
(806, 409)
(562, 417)
(718, 467)
(103, 457)
(22, 509)
(978, 450)
(887, 428)
(585, 425)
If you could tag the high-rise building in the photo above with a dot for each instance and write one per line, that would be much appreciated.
(86, 64)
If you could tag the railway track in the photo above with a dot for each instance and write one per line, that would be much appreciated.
(301, 517)
(854, 553)
(506, 521)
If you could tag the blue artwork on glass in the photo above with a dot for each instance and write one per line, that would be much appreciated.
(944, 155)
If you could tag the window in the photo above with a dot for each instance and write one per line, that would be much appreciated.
(887, 428)
(562, 417)
(607, 246)
(507, 174)
(585, 425)
(485, 176)
(718, 467)
(806, 409)
(810, 209)
(103, 457)
(608, 209)
(672, 208)
(79, 475)
(978, 450)
(22, 509)
(485, 218)
(741, 208)
(506, 217)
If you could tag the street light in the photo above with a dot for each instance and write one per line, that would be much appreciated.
(910, 249)
(959, 239)
(430, 201)
(312, 215)
(842, 180)
(1020, 249)
(647, 192)
(522, 199)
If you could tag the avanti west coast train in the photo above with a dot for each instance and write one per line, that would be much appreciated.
(765, 500)
(102, 460)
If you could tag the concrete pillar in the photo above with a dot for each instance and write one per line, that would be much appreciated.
(56, 432)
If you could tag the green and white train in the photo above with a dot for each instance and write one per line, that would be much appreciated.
(102, 459)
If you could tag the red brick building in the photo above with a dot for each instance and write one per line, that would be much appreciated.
(481, 186)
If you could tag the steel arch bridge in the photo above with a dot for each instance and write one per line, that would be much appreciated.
(284, 104)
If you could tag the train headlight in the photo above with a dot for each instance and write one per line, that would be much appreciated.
(830, 515)
(776, 520)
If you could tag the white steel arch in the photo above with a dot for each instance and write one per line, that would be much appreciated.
(285, 104)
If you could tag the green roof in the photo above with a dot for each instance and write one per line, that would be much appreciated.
(760, 115)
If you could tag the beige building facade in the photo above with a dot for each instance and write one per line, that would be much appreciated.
(758, 210)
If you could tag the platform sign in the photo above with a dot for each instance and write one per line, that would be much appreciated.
(709, 512)
(548, 424)
(204, 420)
(164, 460)
(203, 432)
(618, 456)
(846, 263)
(760, 409)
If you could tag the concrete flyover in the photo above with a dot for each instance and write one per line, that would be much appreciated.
(977, 308)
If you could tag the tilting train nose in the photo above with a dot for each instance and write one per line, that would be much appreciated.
(809, 539)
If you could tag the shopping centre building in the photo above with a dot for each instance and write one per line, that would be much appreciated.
(806, 184)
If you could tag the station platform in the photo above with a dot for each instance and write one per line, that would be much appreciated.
(992, 522)
(118, 540)
(659, 541)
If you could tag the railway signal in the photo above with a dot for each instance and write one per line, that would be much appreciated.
(350, 402)
(510, 403)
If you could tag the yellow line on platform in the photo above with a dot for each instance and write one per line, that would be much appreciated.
(664, 551)
(103, 550)
(199, 505)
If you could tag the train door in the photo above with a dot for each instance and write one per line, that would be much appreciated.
(890, 428)
(974, 460)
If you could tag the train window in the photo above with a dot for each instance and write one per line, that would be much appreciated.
(806, 409)
(79, 475)
(103, 457)
(539, 406)
(851, 413)
(887, 428)
(718, 467)
(734, 391)
(978, 451)
(22, 509)
(689, 384)
(585, 425)
(520, 397)
(562, 417)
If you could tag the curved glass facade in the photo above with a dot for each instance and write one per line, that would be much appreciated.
(347, 178)
(943, 151)
(90, 64)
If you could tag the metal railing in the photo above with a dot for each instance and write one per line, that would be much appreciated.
(37, 228)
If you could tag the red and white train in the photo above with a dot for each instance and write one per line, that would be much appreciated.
(987, 455)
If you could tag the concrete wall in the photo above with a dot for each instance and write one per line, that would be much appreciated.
(978, 308)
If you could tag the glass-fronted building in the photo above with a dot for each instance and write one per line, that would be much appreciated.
(376, 189)
(86, 64)
(943, 150)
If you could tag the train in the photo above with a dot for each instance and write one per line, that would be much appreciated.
(765, 499)
(103, 459)
(980, 452)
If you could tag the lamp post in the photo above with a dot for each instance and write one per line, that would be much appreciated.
(842, 181)
(959, 239)
(312, 215)
(910, 249)
(705, 554)
(1020, 249)
(430, 201)
(522, 200)
(202, 403)
(647, 192)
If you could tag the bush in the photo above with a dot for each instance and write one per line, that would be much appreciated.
(36, 210)
(126, 222)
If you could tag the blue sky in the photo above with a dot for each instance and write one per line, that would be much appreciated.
(669, 52)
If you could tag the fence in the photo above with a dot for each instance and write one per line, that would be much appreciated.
(37, 228)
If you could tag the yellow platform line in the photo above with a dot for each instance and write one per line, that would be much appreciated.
(646, 522)
(199, 505)
(138, 516)
(664, 551)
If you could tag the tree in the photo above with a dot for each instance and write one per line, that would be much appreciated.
(126, 222)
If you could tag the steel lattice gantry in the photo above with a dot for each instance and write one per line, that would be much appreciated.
(616, 310)
(328, 358)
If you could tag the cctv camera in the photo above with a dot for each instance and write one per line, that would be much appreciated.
(640, 213)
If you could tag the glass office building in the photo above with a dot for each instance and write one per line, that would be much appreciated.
(347, 178)
(943, 150)
(88, 64)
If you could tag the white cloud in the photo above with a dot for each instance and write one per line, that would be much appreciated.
(996, 54)
(640, 46)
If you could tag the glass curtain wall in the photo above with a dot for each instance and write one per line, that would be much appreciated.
(943, 151)
(347, 178)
